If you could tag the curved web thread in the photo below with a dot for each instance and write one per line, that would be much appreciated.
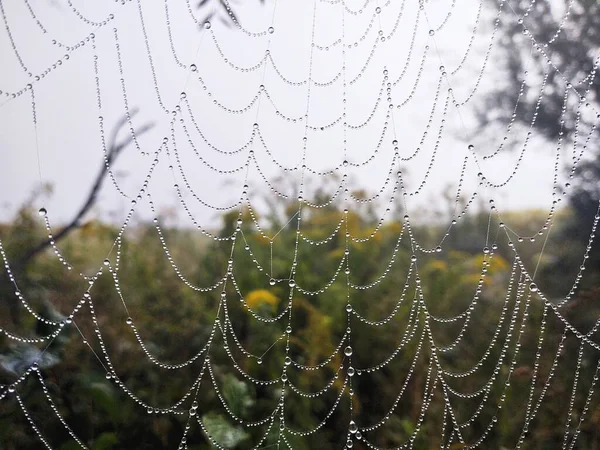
(188, 148)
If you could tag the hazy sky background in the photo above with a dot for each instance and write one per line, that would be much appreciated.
(68, 135)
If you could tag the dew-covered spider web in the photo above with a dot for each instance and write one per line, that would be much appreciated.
(317, 132)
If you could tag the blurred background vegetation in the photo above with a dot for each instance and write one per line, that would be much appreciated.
(175, 321)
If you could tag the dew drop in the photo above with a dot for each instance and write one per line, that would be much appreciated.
(42, 212)
(352, 427)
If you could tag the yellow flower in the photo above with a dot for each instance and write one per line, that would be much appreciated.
(261, 296)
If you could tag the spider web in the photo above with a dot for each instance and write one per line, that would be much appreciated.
(309, 95)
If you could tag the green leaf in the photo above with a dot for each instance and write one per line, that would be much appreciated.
(105, 398)
(70, 445)
(222, 431)
(237, 395)
(21, 356)
(105, 441)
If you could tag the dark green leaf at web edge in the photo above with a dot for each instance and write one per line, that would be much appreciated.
(70, 445)
(105, 441)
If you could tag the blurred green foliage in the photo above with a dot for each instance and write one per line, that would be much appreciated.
(175, 322)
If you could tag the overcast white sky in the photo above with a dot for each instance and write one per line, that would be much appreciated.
(68, 137)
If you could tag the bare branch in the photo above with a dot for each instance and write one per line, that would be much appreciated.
(114, 150)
